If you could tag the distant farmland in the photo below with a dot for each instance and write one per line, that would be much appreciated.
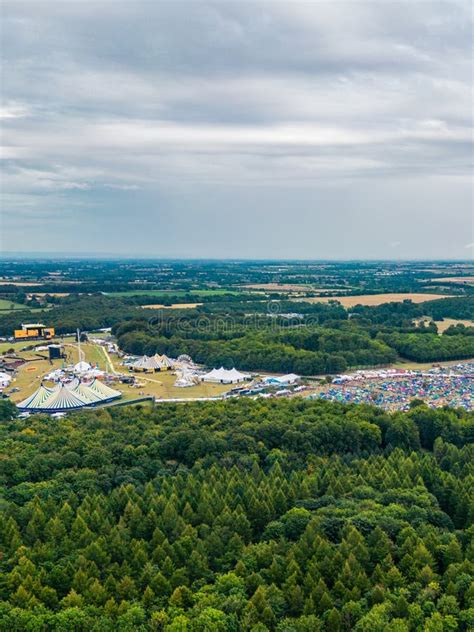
(6, 305)
(463, 280)
(374, 299)
(164, 293)
(173, 306)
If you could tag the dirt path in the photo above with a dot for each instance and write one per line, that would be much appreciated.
(108, 360)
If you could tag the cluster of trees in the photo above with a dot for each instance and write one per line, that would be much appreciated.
(84, 312)
(287, 516)
(262, 345)
(431, 347)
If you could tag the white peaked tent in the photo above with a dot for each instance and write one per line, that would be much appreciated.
(5, 379)
(165, 362)
(145, 363)
(82, 367)
(225, 376)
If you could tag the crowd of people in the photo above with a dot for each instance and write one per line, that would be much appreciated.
(440, 386)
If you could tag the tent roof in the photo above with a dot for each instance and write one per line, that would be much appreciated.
(84, 391)
(145, 362)
(226, 375)
(37, 399)
(64, 399)
(167, 362)
(82, 366)
(103, 390)
(69, 396)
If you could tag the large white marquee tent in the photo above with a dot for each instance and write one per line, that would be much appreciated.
(225, 376)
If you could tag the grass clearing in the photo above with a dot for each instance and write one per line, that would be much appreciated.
(7, 306)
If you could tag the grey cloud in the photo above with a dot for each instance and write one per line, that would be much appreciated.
(113, 106)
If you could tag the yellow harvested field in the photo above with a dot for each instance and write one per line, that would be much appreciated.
(464, 280)
(173, 306)
(48, 294)
(374, 299)
(448, 322)
(19, 284)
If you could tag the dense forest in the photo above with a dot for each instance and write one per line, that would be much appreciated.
(315, 344)
(284, 516)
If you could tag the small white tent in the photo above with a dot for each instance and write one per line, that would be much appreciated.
(5, 379)
(82, 367)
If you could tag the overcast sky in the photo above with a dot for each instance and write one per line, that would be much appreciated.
(246, 129)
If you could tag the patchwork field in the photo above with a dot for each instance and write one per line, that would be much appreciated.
(173, 306)
(464, 280)
(375, 299)
(290, 287)
(162, 293)
(19, 283)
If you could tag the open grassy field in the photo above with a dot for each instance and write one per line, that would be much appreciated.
(16, 346)
(160, 385)
(375, 299)
(29, 377)
(6, 305)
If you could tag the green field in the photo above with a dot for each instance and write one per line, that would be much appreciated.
(17, 346)
(6, 305)
(161, 293)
